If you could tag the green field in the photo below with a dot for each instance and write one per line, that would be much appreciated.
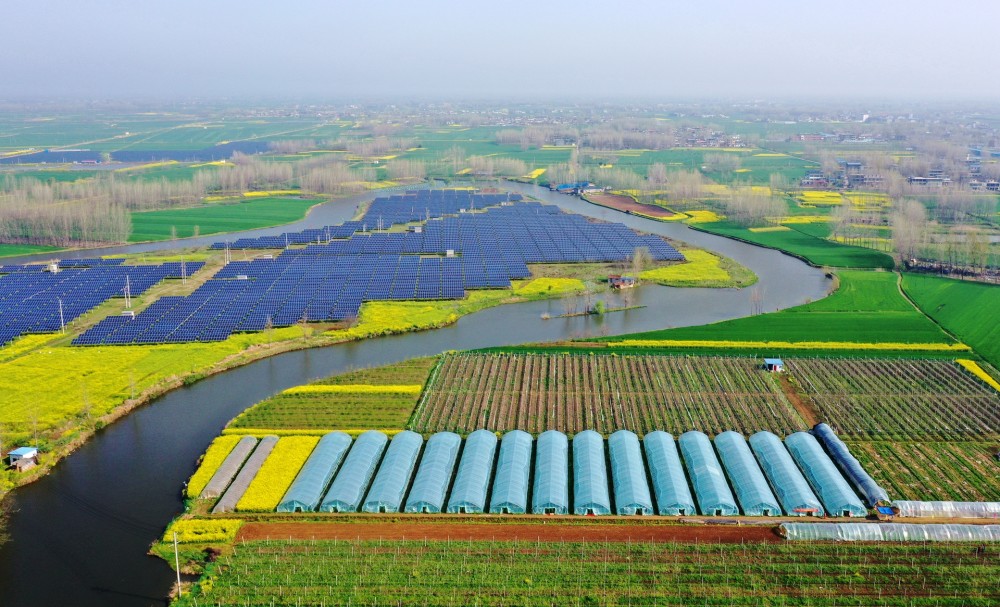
(217, 218)
(817, 251)
(866, 309)
(530, 573)
(966, 309)
(361, 409)
(946, 471)
(13, 250)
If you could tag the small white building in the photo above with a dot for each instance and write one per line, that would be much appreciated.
(23, 458)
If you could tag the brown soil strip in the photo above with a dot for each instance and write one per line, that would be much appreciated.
(552, 532)
(628, 204)
(802, 404)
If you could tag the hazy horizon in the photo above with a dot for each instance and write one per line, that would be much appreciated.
(890, 50)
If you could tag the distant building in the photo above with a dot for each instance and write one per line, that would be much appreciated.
(621, 282)
(23, 458)
(774, 365)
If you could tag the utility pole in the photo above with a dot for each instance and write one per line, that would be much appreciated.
(177, 564)
(62, 321)
(183, 272)
(128, 292)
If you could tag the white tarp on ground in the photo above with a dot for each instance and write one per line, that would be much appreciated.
(890, 532)
(948, 509)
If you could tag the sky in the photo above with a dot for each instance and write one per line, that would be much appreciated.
(507, 49)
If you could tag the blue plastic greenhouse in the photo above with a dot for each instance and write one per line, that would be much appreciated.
(550, 493)
(629, 474)
(792, 489)
(590, 475)
(837, 495)
(850, 466)
(510, 485)
(670, 485)
(472, 481)
(750, 485)
(394, 473)
(434, 475)
(351, 482)
(310, 483)
(709, 481)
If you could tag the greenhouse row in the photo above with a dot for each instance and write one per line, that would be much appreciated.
(588, 475)
(890, 532)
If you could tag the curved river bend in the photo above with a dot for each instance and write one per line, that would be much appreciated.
(80, 534)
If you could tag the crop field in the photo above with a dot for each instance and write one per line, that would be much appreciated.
(364, 400)
(935, 471)
(12, 250)
(217, 218)
(898, 399)
(816, 250)
(572, 393)
(421, 572)
(962, 308)
(867, 308)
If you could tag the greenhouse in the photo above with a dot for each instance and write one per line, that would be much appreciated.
(472, 482)
(510, 485)
(246, 475)
(707, 477)
(850, 466)
(948, 509)
(352, 479)
(394, 474)
(751, 488)
(890, 532)
(629, 474)
(836, 494)
(307, 489)
(673, 496)
(550, 494)
(590, 475)
(229, 467)
(793, 490)
(434, 475)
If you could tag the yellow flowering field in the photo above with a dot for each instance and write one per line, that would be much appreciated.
(354, 388)
(535, 174)
(266, 193)
(797, 219)
(148, 165)
(701, 266)
(819, 198)
(203, 531)
(973, 367)
(704, 216)
(787, 345)
(277, 474)
(550, 286)
(214, 456)
(770, 229)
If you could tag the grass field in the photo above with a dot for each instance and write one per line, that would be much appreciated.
(867, 308)
(421, 572)
(816, 250)
(963, 308)
(14, 250)
(360, 406)
(946, 471)
(217, 218)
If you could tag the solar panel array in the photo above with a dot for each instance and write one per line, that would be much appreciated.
(30, 295)
(330, 281)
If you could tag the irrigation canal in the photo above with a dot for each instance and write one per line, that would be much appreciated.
(79, 535)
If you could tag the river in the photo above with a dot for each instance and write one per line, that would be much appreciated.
(79, 535)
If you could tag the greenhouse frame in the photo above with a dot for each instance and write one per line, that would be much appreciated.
(394, 473)
(890, 532)
(472, 481)
(629, 474)
(710, 487)
(307, 489)
(829, 484)
(434, 474)
(910, 508)
(874, 494)
(673, 496)
(351, 482)
(752, 491)
(590, 475)
(792, 489)
(229, 467)
(550, 493)
(510, 483)
(247, 473)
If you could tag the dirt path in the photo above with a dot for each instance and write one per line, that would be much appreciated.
(804, 406)
(553, 532)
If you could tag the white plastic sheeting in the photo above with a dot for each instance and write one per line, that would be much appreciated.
(709, 481)
(229, 467)
(874, 494)
(629, 474)
(472, 481)
(394, 473)
(673, 496)
(948, 509)
(550, 493)
(510, 482)
(752, 491)
(793, 490)
(590, 475)
(435, 472)
(890, 532)
(247, 473)
(837, 495)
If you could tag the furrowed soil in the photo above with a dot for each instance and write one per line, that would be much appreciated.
(628, 204)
